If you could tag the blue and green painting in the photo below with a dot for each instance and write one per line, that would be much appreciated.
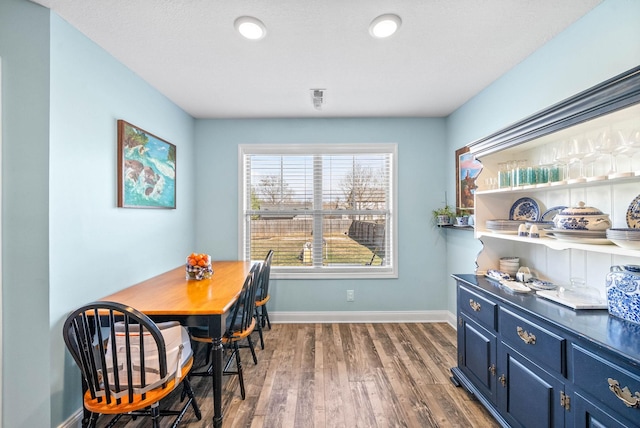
(149, 170)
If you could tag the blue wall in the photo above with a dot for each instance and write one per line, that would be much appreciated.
(421, 168)
(600, 45)
(65, 242)
(24, 49)
(95, 247)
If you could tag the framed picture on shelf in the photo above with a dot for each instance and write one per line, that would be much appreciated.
(146, 169)
(467, 170)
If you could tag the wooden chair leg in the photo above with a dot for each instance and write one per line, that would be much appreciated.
(186, 385)
(239, 368)
(93, 419)
(265, 316)
(253, 351)
(259, 326)
(155, 415)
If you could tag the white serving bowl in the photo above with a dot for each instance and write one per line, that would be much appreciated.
(582, 218)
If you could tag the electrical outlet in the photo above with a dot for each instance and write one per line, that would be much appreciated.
(351, 295)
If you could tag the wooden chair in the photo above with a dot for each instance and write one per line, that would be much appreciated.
(262, 296)
(123, 371)
(240, 325)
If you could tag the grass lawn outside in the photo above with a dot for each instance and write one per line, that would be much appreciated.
(288, 250)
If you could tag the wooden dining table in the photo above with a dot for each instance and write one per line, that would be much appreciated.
(172, 297)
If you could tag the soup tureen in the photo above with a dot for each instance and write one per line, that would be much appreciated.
(582, 218)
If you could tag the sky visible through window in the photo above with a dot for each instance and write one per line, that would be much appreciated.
(292, 176)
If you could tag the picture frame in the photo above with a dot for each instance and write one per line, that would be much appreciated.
(467, 170)
(146, 169)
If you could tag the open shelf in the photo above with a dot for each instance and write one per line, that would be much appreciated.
(561, 185)
(450, 226)
(556, 244)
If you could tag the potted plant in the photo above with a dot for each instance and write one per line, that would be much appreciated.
(463, 217)
(443, 216)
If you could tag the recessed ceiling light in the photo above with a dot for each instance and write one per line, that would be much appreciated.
(250, 27)
(384, 26)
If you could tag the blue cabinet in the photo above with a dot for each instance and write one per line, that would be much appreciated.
(528, 395)
(477, 358)
(587, 414)
(534, 363)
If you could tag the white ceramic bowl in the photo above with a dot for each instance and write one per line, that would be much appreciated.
(582, 218)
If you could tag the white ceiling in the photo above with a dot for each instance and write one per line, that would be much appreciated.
(445, 52)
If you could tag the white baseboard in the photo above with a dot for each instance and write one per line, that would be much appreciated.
(74, 421)
(361, 317)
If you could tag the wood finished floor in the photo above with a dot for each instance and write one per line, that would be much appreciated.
(342, 375)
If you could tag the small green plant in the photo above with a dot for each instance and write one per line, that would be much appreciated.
(443, 215)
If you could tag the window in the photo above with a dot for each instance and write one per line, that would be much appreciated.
(325, 210)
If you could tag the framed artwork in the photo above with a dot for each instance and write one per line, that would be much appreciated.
(467, 170)
(146, 169)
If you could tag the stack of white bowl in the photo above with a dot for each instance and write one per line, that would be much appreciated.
(510, 265)
(625, 238)
(503, 226)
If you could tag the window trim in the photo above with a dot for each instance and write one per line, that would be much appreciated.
(325, 272)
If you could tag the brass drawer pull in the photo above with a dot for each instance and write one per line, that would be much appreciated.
(492, 369)
(503, 380)
(624, 394)
(474, 305)
(527, 338)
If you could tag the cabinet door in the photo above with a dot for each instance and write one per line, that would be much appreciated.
(591, 414)
(477, 355)
(592, 373)
(528, 396)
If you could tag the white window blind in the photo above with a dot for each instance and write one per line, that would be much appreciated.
(325, 210)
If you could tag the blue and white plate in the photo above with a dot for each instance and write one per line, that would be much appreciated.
(633, 214)
(525, 209)
(549, 214)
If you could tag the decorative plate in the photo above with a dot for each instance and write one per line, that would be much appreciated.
(514, 286)
(595, 237)
(497, 275)
(577, 233)
(549, 214)
(633, 214)
(538, 284)
(524, 209)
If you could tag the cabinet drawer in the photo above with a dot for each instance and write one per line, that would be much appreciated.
(592, 372)
(477, 307)
(533, 341)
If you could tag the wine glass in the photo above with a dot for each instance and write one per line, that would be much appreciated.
(582, 150)
(634, 138)
(627, 148)
(606, 144)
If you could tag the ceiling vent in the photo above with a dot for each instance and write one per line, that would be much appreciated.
(318, 98)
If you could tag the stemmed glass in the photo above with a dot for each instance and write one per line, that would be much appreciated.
(629, 146)
(606, 144)
(581, 149)
(634, 138)
(625, 147)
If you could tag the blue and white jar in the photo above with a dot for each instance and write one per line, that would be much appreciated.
(623, 292)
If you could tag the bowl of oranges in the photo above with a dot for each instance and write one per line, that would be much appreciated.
(198, 266)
